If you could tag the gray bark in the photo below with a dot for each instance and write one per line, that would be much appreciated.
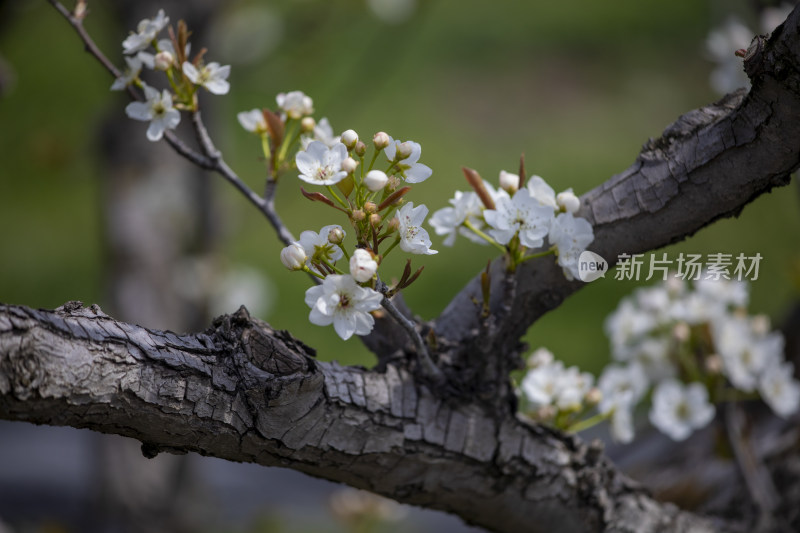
(245, 392)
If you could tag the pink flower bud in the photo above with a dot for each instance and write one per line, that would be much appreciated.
(381, 140)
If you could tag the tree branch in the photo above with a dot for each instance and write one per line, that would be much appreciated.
(245, 392)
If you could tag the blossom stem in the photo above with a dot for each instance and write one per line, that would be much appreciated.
(288, 140)
(372, 162)
(483, 236)
(534, 256)
(336, 196)
(586, 423)
(265, 146)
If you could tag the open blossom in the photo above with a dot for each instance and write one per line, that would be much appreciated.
(541, 191)
(340, 301)
(549, 383)
(146, 32)
(212, 76)
(413, 238)
(322, 132)
(570, 236)
(409, 167)
(295, 104)
(449, 220)
(157, 109)
(318, 246)
(521, 214)
(745, 355)
(362, 265)
(779, 389)
(129, 75)
(253, 120)
(321, 165)
(680, 409)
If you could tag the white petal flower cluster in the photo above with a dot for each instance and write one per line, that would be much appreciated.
(551, 390)
(296, 104)
(531, 214)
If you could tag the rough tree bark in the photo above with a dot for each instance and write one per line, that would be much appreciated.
(245, 392)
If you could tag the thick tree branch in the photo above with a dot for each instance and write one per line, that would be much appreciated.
(244, 392)
(709, 164)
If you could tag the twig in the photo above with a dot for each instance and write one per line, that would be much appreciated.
(429, 368)
(758, 480)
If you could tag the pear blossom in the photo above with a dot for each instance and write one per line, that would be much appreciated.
(349, 138)
(129, 75)
(253, 121)
(541, 191)
(408, 167)
(745, 355)
(521, 214)
(413, 238)
(570, 236)
(294, 256)
(568, 202)
(376, 180)
(212, 76)
(449, 220)
(165, 50)
(322, 132)
(779, 389)
(680, 409)
(319, 247)
(146, 32)
(320, 165)
(549, 383)
(508, 181)
(362, 265)
(295, 104)
(622, 429)
(340, 301)
(157, 109)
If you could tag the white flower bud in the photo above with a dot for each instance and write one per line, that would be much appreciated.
(509, 182)
(568, 201)
(381, 140)
(349, 138)
(349, 165)
(404, 150)
(362, 265)
(760, 325)
(163, 60)
(307, 124)
(294, 256)
(376, 180)
(336, 235)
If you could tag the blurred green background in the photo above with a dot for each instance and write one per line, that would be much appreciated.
(577, 86)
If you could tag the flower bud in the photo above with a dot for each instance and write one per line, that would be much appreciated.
(375, 219)
(362, 265)
(294, 256)
(393, 225)
(681, 332)
(509, 182)
(593, 397)
(376, 180)
(349, 165)
(540, 357)
(336, 235)
(163, 60)
(370, 207)
(381, 140)
(360, 149)
(568, 202)
(358, 215)
(404, 150)
(760, 325)
(307, 124)
(349, 138)
(713, 364)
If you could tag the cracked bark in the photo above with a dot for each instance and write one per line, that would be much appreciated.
(245, 392)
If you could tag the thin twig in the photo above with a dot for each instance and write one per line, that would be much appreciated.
(429, 368)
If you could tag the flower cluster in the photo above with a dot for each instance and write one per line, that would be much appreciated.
(369, 189)
(689, 347)
(171, 57)
(518, 219)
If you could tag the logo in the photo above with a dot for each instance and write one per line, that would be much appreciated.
(591, 266)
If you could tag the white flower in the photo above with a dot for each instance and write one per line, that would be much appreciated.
(146, 32)
(724, 292)
(295, 104)
(409, 168)
(622, 429)
(572, 388)
(779, 389)
(340, 301)
(625, 327)
(678, 410)
(542, 192)
(540, 357)
(157, 109)
(212, 76)
(129, 75)
(362, 265)
(349, 138)
(449, 220)
(567, 201)
(509, 181)
(570, 236)
(294, 256)
(413, 238)
(253, 120)
(349, 165)
(541, 385)
(323, 132)
(620, 383)
(376, 180)
(319, 247)
(521, 214)
(321, 165)
(744, 355)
